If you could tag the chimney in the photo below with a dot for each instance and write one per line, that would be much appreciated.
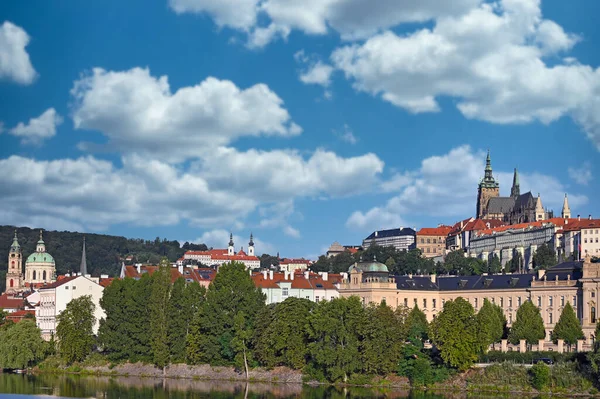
(325, 276)
(590, 217)
(292, 275)
(138, 267)
(180, 269)
(541, 274)
(306, 274)
(376, 234)
(270, 274)
(433, 278)
(578, 218)
(264, 274)
(285, 274)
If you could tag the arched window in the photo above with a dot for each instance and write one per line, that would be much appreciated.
(12, 263)
(44, 274)
(593, 314)
(34, 275)
(11, 283)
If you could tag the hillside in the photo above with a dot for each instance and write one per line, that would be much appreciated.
(103, 251)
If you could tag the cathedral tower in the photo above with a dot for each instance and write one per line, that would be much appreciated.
(488, 188)
(515, 191)
(14, 274)
(566, 211)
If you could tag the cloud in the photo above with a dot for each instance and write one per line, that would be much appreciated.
(277, 215)
(136, 110)
(583, 174)
(219, 238)
(446, 187)
(490, 59)
(15, 64)
(346, 135)
(38, 129)
(352, 19)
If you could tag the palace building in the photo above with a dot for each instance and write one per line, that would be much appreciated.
(576, 282)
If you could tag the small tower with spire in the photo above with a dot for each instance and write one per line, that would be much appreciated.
(230, 248)
(488, 188)
(251, 246)
(539, 209)
(566, 211)
(83, 264)
(14, 274)
(41, 246)
(515, 191)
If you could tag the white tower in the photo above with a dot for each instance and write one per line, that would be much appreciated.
(251, 246)
(230, 248)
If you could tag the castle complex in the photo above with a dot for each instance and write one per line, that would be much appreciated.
(518, 208)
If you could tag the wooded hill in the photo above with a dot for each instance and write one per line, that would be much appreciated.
(104, 252)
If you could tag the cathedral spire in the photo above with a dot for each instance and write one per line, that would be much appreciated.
(83, 265)
(15, 244)
(515, 191)
(566, 211)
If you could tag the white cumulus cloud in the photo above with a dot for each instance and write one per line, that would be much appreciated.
(14, 60)
(38, 129)
(137, 110)
(582, 174)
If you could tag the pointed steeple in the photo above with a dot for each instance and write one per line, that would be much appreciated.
(251, 243)
(230, 248)
(488, 180)
(15, 247)
(566, 211)
(83, 265)
(515, 191)
(231, 239)
(41, 246)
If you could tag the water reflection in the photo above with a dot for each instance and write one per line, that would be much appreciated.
(135, 387)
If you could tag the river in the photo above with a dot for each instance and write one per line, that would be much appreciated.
(74, 386)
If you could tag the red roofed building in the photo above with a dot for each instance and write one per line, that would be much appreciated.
(138, 270)
(289, 265)
(581, 237)
(432, 240)
(10, 303)
(461, 233)
(217, 257)
(19, 315)
(308, 285)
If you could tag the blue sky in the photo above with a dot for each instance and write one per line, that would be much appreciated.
(303, 122)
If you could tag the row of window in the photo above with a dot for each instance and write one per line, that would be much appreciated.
(585, 240)
(590, 232)
(433, 241)
(476, 302)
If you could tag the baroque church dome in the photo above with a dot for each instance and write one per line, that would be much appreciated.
(370, 267)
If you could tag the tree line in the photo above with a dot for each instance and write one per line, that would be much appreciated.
(155, 320)
(413, 262)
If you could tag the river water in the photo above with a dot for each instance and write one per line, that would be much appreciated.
(29, 386)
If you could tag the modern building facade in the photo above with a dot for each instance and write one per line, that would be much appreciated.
(575, 282)
(402, 238)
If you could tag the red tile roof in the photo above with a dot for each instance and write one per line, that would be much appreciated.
(131, 271)
(558, 222)
(19, 315)
(576, 225)
(105, 282)
(60, 281)
(299, 281)
(434, 231)
(287, 261)
(10, 302)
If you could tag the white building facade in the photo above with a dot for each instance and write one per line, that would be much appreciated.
(55, 297)
(280, 286)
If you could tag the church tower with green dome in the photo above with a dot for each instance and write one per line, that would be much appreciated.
(39, 266)
(14, 274)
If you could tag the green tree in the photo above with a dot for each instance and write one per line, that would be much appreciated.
(159, 314)
(282, 339)
(491, 325)
(242, 334)
(568, 327)
(75, 330)
(594, 356)
(266, 261)
(334, 330)
(544, 257)
(381, 346)
(177, 321)
(212, 329)
(21, 345)
(455, 332)
(416, 324)
(494, 265)
(528, 325)
(516, 263)
(125, 332)
(503, 322)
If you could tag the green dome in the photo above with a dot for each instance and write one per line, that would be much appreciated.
(370, 267)
(40, 257)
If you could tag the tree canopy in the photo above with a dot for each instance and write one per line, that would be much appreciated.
(21, 345)
(491, 323)
(455, 332)
(544, 257)
(528, 325)
(568, 327)
(75, 329)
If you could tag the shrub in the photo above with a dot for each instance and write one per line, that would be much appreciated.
(502, 374)
(525, 357)
(540, 375)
